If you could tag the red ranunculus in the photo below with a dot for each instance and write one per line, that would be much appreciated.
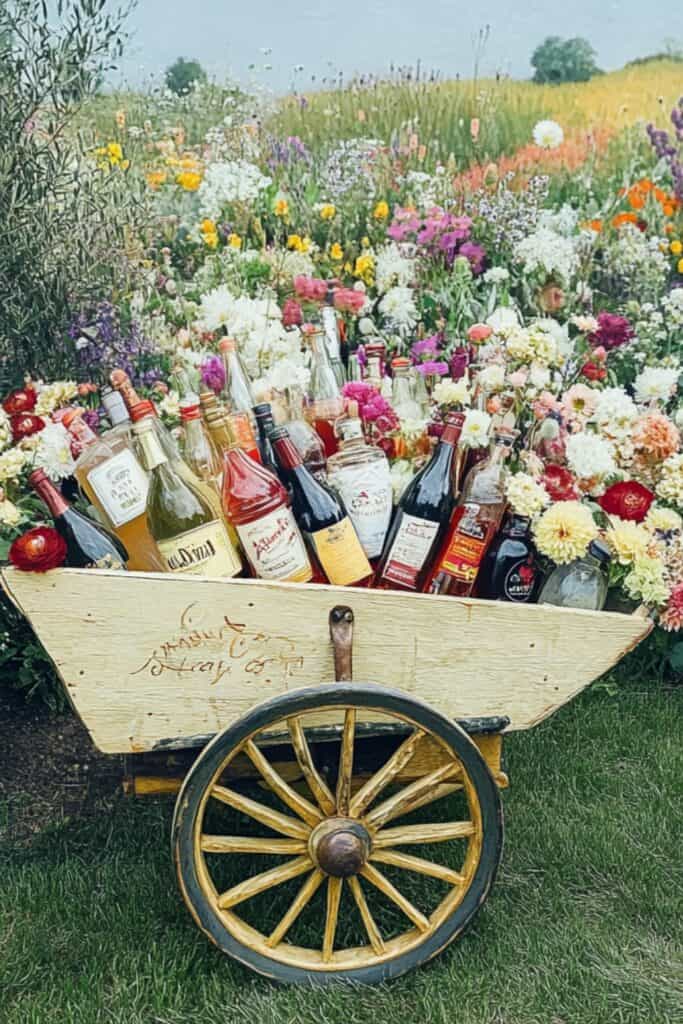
(38, 550)
(628, 500)
(23, 400)
(594, 372)
(24, 424)
(559, 483)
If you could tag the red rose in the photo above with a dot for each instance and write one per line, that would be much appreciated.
(38, 550)
(24, 424)
(559, 483)
(22, 400)
(628, 500)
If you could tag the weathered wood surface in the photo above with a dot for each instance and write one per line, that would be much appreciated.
(147, 658)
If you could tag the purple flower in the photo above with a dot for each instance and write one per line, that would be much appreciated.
(613, 331)
(433, 367)
(213, 374)
(92, 418)
(476, 254)
(428, 346)
(104, 340)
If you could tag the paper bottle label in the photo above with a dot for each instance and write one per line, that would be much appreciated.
(519, 581)
(463, 557)
(410, 550)
(204, 551)
(367, 494)
(275, 547)
(340, 553)
(120, 485)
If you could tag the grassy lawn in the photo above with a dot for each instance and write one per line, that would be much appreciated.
(584, 925)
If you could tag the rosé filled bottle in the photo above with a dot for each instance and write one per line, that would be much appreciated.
(325, 404)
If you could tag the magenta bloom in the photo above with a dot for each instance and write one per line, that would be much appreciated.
(427, 347)
(613, 331)
(213, 374)
(313, 289)
(432, 366)
(476, 254)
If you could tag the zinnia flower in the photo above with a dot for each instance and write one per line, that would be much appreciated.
(628, 500)
(656, 436)
(579, 402)
(475, 430)
(646, 581)
(525, 495)
(38, 550)
(564, 531)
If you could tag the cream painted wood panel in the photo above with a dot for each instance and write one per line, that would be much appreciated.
(148, 658)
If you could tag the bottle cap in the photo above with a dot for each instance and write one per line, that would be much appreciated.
(189, 410)
(400, 363)
(263, 409)
(278, 434)
(598, 549)
(69, 416)
(227, 345)
(119, 378)
(141, 410)
(114, 406)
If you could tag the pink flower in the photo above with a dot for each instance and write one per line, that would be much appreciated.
(479, 332)
(613, 331)
(292, 314)
(347, 300)
(672, 617)
(313, 289)
(600, 354)
(656, 436)
(518, 379)
(579, 402)
(433, 367)
(474, 128)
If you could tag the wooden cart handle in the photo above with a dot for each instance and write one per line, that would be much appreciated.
(341, 634)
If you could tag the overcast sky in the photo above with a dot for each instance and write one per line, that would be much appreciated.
(326, 36)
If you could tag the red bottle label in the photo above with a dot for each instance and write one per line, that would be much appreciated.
(467, 546)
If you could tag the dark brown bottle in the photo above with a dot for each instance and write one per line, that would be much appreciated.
(510, 571)
(263, 414)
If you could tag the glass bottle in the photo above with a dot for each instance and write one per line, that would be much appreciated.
(322, 516)
(264, 424)
(236, 395)
(199, 451)
(189, 535)
(360, 474)
(402, 400)
(305, 439)
(117, 413)
(423, 513)
(88, 544)
(212, 410)
(474, 524)
(509, 571)
(326, 404)
(354, 370)
(582, 583)
(331, 333)
(115, 483)
(375, 353)
(420, 393)
(257, 504)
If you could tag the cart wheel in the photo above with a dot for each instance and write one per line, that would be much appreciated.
(338, 899)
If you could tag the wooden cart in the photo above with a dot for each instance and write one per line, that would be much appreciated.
(310, 836)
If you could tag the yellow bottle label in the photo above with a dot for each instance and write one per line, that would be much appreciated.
(204, 551)
(340, 553)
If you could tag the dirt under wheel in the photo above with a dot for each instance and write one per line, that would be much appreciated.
(343, 895)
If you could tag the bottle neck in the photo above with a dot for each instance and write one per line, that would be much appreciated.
(453, 429)
(115, 408)
(265, 424)
(151, 450)
(295, 404)
(287, 455)
(53, 499)
(221, 434)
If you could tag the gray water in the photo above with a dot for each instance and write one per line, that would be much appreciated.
(309, 41)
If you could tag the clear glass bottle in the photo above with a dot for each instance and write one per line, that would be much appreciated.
(305, 439)
(354, 370)
(375, 353)
(402, 399)
(236, 395)
(420, 393)
(475, 523)
(360, 474)
(117, 413)
(582, 583)
(325, 404)
(192, 539)
(331, 333)
(199, 450)
(111, 477)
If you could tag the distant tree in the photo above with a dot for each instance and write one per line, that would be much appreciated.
(558, 60)
(183, 75)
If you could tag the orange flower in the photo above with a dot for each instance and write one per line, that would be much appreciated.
(624, 218)
(593, 225)
(668, 229)
(656, 436)
(635, 200)
(668, 210)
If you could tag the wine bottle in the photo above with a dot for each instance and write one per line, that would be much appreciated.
(332, 339)
(306, 440)
(88, 545)
(264, 424)
(325, 404)
(322, 516)
(422, 516)
(183, 523)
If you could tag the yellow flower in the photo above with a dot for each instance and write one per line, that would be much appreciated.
(663, 519)
(628, 540)
(327, 211)
(155, 178)
(365, 242)
(306, 244)
(234, 241)
(208, 227)
(336, 252)
(189, 180)
(120, 118)
(281, 208)
(365, 268)
(211, 239)
(676, 247)
(381, 211)
(295, 242)
(564, 531)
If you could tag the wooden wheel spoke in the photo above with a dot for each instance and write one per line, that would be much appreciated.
(368, 920)
(427, 833)
(266, 815)
(386, 774)
(382, 883)
(346, 762)
(250, 844)
(334, 888)
(297, 803)
(417, 794)
(304, 895)
(266, 880)
(418, 864)
(316, 784)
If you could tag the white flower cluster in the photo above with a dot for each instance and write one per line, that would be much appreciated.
(562, 221)
(548, 254)
(12, 462)
(53, 452)
(590, 456)
(392, 268)
(526, 496)
(656, 384)
(670, 486)
(399, 306)
(615, 413)
(229, 181)
(5, 431)
(475, 430)
(451, 392)
(536, 343)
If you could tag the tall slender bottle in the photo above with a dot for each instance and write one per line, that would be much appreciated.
(332, 339)
(113, 480)
(325, 404)
(236, 395)
(257, 504)
(306, 440)
(88, 544)
(213, 409)
(402, 400)
(422, 516)
(199, 450)
(189, 536)
(322, 516)
(475, 523)
(264, 424)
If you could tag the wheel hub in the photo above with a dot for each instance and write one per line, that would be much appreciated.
(340, 847)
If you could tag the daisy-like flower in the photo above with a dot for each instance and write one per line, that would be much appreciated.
(54, 396)
(10, 515)
(53, 452)
(584, 324)
(12, 462)
(170, 405)
(590, 456)
(564, 531)
(548, 134)
(579, 402)
(628, 540)
(475, 431)
(525, 495)
(670, 486)
(646, 581)
(663, 520)
(451, 392)
(492, 377)
(656, 384)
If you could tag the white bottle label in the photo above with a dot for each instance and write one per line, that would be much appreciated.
(410, 550)
(367, 493)
(275, 547)
(204, 551)
(120, 485)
